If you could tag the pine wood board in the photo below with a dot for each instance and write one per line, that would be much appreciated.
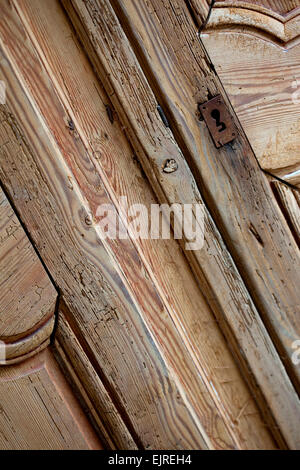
(233, 185)
(130, 93)
(121, 344)
(132, 364)
(81, 132)
(282, 7)
(289, 201)
(37, 24)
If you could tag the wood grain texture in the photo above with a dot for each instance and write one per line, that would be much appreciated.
(232, 183)
(103, 300)
(38, 410)
(257, 58)
(85, 376)
(185, 313)
(289, 201)
(135, 103)
(27, 296)
(283, 7)
(105, 315)
(199, 9)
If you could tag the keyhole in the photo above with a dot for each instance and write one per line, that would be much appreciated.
(215, 114)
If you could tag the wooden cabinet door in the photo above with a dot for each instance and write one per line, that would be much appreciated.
(140, 343)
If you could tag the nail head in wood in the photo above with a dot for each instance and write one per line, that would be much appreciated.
(170, 166)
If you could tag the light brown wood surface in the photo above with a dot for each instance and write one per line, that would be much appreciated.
(106, 315)
(180, 364)
(36, 19)
(120, 72)
(282, 7)
(158, 413)
(38, 411)
(163, 348)
(257, 56)
(289, 201)
(27, 296)
(199, 9)
(232, 183)
(101, 404)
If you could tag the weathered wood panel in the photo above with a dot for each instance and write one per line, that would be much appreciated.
(233, 185)
(68, 190)
(131, 94)
(107, 318)
(257, 57)
(38, 410)
(36, 19)
(100, 404)
(27, 296)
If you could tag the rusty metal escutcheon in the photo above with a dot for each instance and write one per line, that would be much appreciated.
(219, 121)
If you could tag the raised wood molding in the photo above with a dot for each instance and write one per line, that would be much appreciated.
(28, 298)
(282, 30)
(289, 201)
(255, 50)
(38, 410)
(280, 8)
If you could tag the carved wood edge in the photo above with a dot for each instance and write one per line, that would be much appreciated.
(283, 30)
(261, 8)
(16, 349)
(35, 324)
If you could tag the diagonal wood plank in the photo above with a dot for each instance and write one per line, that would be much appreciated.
(200, 327)
(85, 377)
(199, 9)
(163, 412)
(232, 183)
(132, 364)
(283, 7)
(136, 104)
